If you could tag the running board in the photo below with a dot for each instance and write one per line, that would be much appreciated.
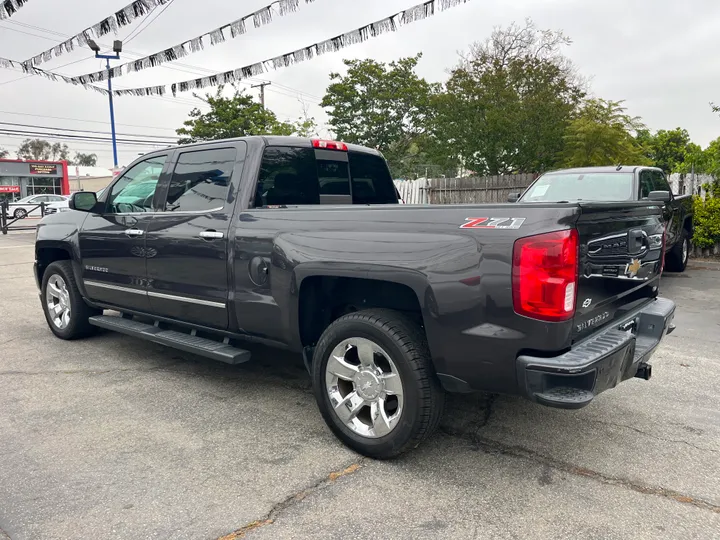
(216, 350)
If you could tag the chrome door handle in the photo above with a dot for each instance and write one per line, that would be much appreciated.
(134, 232)
(211, 235)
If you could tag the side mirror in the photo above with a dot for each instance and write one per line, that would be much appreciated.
(83, 201)
(660, 196)
(513, 197)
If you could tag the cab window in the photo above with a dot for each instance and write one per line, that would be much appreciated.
(135, 190)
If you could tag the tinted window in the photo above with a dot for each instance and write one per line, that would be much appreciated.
(371, 180)
(287, 177)
(135, 189)
(293, 176)
(646, 184)
(201, 180)
(660, 183)
(581, 187)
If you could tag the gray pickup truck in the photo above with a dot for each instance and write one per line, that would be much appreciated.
(622, 183)
(301, 244)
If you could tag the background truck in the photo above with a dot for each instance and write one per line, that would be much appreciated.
(301, 244)
(622, 183)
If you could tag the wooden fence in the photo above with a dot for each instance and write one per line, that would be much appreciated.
(473, 190)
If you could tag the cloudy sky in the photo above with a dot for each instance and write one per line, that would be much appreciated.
(661, 56)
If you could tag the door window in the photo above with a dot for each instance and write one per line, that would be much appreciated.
(302, 176)
(659, 181)
(201, 180)
(646, 184)
(134, 191)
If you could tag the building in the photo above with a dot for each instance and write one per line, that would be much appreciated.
(89, 178)
(21, 178)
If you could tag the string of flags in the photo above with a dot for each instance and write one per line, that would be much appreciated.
(9, 64)
(236, 28)
(134, 11)
(389, 24)
(8, 8)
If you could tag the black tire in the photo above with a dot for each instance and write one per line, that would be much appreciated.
(78, 325)
(405, 343)
(676, 259)
(20, 213)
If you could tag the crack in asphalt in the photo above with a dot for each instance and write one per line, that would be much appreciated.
(270, 517)
(656, 437)
(4, 535)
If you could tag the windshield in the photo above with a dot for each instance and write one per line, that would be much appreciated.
(606, 186)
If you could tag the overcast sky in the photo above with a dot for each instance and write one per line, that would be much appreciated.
(661, 56)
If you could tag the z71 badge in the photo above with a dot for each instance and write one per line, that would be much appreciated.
(493, 223)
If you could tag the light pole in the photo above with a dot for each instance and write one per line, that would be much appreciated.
(117, 49)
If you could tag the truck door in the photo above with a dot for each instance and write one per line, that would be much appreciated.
(186, 247)
(112, 242)
(671, 210)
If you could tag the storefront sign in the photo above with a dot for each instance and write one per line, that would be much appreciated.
(42, 168)
(9, 189)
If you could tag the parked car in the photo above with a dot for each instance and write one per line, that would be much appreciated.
(30, 206)
(622, 183)
(391, 305)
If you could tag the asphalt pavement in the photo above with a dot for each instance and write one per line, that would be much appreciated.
(114, 437)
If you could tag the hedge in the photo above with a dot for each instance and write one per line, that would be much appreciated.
(706, 222)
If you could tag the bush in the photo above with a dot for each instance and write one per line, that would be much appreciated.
(707, 221)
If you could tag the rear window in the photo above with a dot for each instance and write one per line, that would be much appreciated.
(291, 176)
(581, 187)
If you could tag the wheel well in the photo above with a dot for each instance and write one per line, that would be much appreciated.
(324, 299)
(47, 256)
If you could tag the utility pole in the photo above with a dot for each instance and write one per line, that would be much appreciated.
(117, 49)
(262, 91)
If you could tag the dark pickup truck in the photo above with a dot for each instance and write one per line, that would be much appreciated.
(622, 183)
(301, 244)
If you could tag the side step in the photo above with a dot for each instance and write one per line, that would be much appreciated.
(565, 397)
(216, 350)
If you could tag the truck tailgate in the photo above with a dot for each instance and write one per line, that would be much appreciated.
(621, 249)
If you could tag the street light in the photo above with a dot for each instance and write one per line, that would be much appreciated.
(117, 49)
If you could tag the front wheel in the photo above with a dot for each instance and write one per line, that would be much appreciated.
(66, 312)
(374, 383)
(677, 258)
(20, 213)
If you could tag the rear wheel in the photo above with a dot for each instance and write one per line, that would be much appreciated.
(66, 312)
(677, 258)
(374, 383)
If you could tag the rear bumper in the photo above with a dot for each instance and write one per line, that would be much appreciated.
(598, 363)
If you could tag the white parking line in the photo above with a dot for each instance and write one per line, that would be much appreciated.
(16, 247)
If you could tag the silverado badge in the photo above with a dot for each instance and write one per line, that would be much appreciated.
(633, 268)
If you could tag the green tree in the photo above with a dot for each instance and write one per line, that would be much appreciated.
(4, 153)
(236, 116)
(667, 149)
(508, 103)
(602, 134)
(85, 160)
(59, 151)
(38, 149)
(383, 106)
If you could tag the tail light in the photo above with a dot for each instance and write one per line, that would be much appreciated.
(545, 275)
(329, 145)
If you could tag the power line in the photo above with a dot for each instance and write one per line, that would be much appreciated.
(79, 130)
(149, 22)
(70, 137)
(80, 120)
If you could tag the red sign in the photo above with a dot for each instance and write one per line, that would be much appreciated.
(9, 189)
(42, 168)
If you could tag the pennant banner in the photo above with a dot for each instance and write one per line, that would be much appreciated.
(8, 8)
(127, 15)
(389, 24)
(236, 28)
(9, 64)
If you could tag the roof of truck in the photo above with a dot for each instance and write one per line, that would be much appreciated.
(606, 169)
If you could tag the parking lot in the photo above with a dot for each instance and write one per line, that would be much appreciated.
(114, 437)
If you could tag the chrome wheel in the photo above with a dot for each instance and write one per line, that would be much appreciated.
(685, 251)
(58, 301)
(364, 387)
(20, 213)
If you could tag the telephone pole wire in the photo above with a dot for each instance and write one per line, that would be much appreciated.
(262, 91)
